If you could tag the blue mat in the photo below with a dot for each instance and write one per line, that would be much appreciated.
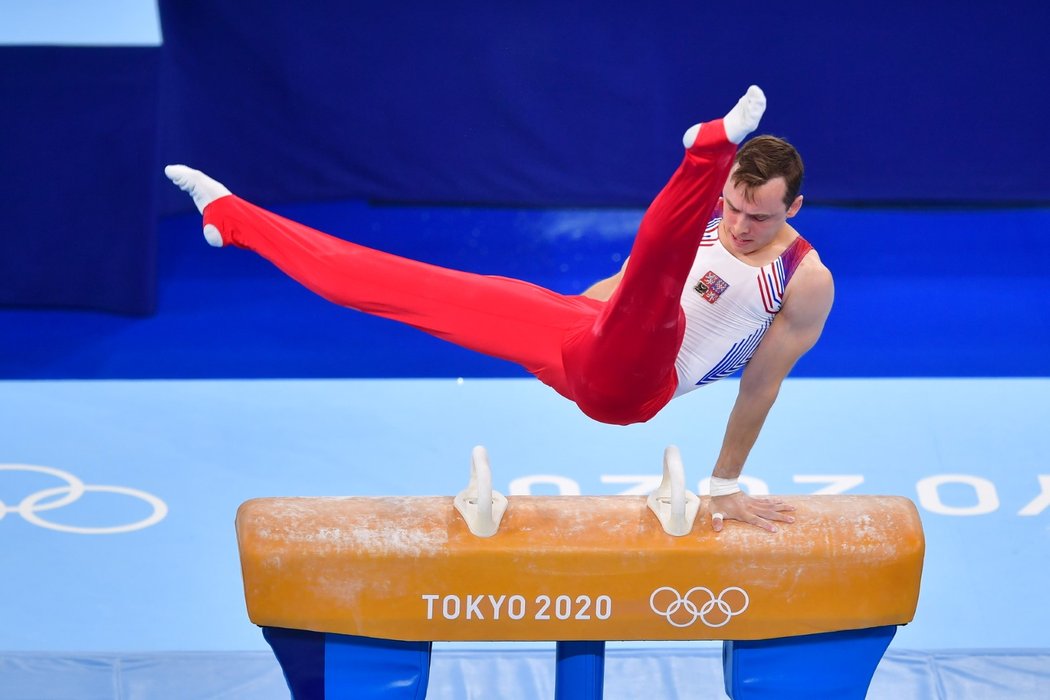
(653, 672)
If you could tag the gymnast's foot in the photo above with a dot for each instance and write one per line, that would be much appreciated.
(204, 191)
(741, 120)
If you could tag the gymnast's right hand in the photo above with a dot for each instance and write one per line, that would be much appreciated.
(760, 511)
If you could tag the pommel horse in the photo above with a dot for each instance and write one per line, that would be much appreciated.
(351, 592)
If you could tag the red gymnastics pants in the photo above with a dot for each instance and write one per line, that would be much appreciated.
(614, 359)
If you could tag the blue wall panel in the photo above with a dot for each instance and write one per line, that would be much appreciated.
(76, 165)
(467, 102)
(583, 103)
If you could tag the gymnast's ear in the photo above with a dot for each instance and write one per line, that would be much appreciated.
(795, 206)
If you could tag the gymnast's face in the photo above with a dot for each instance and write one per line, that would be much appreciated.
(752, 220)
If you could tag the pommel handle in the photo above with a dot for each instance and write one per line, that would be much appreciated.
(481, 507)
(673, 505)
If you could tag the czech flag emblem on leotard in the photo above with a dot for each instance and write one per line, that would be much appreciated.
(711, 286)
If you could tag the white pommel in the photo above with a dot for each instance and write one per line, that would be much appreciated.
(675, 507)
(481, 507)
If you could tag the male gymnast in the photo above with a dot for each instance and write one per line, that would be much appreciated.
(691, 305)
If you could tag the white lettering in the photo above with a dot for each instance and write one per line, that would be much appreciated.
(497, 603)
(516, 607)
(472, 607)
(984, 490)
(452, 614)
(836, 483)
(430, 598)
(563, 607)
(585, 604)
(522, 486)
(644, 484)
(931, 495)
(1040, 502)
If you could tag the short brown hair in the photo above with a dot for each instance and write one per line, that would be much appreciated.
(765, 158)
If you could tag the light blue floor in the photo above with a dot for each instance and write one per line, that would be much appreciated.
(656, 673)
(203, 447)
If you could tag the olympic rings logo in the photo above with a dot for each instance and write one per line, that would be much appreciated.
(32, 505)
(699, 603)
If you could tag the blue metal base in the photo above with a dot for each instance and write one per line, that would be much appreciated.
(838, 665)
(580, 671)
(834, 665)
(321, 666)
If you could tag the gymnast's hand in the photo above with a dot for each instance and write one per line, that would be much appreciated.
(760, 511)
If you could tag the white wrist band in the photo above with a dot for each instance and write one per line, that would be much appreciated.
(723, 487)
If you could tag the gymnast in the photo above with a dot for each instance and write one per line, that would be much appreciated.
(716, 280)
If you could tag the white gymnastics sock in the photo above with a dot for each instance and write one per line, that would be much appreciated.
(744, 117)
(202, 188)
(204, 191)
(741, 120)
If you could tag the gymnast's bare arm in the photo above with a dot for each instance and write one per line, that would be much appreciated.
(794, 331)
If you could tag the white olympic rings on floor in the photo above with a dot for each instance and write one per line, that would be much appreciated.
(697, 606)
(30, 506)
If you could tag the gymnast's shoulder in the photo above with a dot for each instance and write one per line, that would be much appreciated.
(812, 287)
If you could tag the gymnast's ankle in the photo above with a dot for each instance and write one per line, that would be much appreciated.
(741, 120)
(204, 190)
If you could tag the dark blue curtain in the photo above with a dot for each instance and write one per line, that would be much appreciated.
(565, 103)
(77, 167)
(538, 103)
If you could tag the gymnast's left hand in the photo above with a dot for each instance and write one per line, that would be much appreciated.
(760, 511)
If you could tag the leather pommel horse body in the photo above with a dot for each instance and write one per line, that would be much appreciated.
(808, 610)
